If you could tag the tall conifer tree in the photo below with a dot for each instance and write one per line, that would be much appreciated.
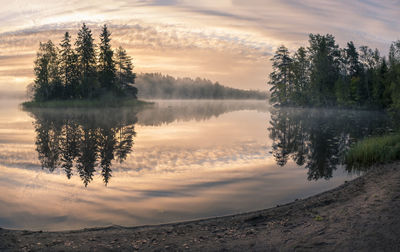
(69, 67)
(324, 55)
(87, 61)
(280, 77)
(106, 63)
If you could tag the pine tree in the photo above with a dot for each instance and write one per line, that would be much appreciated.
(280, 77)
(106, 63)
(87, 61)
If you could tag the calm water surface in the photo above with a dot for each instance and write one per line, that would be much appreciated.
(181, 160)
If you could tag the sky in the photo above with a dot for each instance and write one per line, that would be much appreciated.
(229, 41)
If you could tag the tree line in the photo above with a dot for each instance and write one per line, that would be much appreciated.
(158, 86)
(323, 74)
(82, 72)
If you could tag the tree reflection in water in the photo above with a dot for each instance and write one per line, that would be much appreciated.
(83, 142)
(89, 140)
(318, 138)
(86, 140)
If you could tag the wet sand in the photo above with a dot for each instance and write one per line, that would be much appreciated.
(360, 215)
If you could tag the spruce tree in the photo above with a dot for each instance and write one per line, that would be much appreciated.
(69, 68)
(87, 61)
(106, 63)
(324, 55)
(301, 77)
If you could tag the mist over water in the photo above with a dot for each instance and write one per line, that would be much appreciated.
(180, 160)
(168, 111)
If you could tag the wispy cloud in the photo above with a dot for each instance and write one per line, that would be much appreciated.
(228, 41)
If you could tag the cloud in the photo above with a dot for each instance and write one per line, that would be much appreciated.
(155, 49)
(228, 41)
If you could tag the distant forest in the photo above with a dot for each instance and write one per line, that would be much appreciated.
(84, 71)
(158, 86)
(325, 75)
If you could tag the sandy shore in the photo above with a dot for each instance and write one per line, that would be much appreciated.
(361, 215)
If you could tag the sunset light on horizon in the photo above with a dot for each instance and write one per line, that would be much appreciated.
(229, 41)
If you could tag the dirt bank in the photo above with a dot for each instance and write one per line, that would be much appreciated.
(361, 215)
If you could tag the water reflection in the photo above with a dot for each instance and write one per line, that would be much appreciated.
(165, 112)
(87, 140)
(188, 160)
(318, 138)
(83, 142)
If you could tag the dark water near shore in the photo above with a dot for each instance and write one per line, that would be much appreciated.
(181, 160)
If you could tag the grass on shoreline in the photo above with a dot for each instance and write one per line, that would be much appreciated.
(374, 150)
(89, 103)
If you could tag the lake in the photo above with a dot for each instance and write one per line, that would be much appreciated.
(179, 160)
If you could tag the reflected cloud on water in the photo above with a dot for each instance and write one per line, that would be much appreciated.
(86, 141)
(176, 161)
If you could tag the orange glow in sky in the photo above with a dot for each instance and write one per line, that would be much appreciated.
(229, 41)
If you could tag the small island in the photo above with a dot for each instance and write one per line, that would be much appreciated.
(87, 75)
(83, 74)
